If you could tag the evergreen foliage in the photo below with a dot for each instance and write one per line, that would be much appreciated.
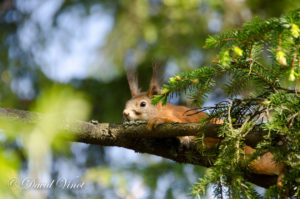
(262, 60)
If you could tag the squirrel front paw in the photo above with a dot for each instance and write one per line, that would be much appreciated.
(154, 122)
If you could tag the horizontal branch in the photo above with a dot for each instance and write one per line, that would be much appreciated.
(162, 141)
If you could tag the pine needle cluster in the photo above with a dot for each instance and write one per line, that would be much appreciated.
(262, 60)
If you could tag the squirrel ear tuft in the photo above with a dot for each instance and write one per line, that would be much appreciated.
(154, 88)
(133, 82)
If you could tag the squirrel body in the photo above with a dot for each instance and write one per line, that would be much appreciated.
(139, 107)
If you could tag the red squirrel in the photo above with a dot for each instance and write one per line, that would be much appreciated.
(139, 107)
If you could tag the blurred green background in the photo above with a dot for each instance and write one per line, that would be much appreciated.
(68, 57)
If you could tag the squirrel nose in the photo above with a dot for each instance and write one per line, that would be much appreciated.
(126, 113)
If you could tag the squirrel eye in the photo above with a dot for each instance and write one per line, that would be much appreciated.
(143, 104)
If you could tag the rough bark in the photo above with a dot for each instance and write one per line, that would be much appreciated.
(161, 142)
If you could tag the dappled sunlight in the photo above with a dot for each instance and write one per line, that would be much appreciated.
(66, 61)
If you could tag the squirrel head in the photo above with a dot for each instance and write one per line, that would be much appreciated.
(139, 107)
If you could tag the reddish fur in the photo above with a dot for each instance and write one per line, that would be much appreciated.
(180, 114)
(266, 165)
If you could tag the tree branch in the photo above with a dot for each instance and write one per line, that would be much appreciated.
(161, 142)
